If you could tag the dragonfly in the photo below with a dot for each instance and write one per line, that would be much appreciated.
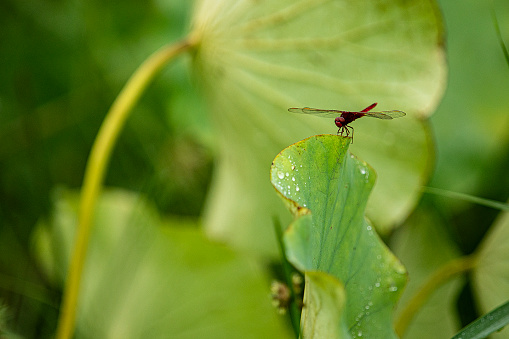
(343, 118)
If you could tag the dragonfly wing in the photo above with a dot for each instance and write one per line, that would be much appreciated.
(327, 113)
(387, 115)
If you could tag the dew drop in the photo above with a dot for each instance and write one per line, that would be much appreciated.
(293, 178)
(293, 167)
(297, 188)
(281, 175)
(363, 170)
(287, 174)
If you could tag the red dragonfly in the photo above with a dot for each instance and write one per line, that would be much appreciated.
(343, 118)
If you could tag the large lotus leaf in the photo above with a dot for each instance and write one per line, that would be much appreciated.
(255, 59)
(423, 246)
(144, 278)
(491, 274)
(327, 190)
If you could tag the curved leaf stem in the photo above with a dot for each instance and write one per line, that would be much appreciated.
(95, 172)
(442, 275)
(467, 197)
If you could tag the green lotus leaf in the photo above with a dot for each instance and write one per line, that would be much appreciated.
(327, 190)
(255, 59)
(149, 278)
(424, 246)
(491, 273)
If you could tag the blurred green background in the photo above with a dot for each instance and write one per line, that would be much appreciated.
(62, 63)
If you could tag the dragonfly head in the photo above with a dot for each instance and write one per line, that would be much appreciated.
(339, 121)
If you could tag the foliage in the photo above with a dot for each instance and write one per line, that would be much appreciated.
(327, 191)
(487, 324)
(179, 180)
(147, 276)
(254, 62)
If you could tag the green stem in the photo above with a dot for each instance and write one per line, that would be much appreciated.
(446, 272)
(467, 197)
(95, 172)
